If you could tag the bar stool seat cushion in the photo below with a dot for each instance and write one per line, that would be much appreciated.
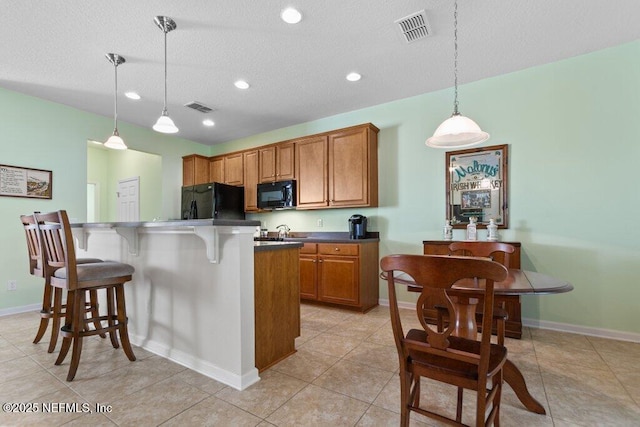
(97, 271)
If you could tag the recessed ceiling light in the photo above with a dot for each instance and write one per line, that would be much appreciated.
(353, 77)
(241, 84)
(208, 122)
(132, 95)
(290, 15)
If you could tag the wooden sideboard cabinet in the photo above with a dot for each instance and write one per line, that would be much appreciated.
(340, 273)
(513, 326)
(195, 170)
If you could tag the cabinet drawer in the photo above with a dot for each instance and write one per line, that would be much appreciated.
(309, 248)
(338, 249)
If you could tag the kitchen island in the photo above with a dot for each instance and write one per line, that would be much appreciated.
(193, 294)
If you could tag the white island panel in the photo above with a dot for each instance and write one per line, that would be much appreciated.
(181, 305)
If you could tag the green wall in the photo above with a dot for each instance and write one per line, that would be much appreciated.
(573, 136)
(45, 135)
(106, 167)
(573, 154)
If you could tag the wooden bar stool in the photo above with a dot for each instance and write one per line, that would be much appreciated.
(52, 307)
(61, 268)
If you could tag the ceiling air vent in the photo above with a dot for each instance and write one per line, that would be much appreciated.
(414, 27)
(198, 106)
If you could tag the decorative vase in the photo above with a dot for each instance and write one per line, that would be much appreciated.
(492, 231)
(448, 230)
(472, 229)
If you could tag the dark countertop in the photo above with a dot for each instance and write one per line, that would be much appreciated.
(170, 223)
(271, 246)
(325, 237)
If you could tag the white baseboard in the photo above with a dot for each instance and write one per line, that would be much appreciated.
(555, 326)
(582, 330)
(17, 310)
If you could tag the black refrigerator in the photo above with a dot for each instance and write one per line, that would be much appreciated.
(213, 200)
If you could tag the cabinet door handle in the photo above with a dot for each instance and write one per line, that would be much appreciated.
(337, 249)
(320, 261)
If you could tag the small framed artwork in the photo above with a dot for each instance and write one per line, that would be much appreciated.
(477, 186)
(17, 181)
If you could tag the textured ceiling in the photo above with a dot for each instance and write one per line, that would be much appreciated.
(55, 50)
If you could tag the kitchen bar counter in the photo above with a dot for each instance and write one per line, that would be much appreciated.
(192, 297)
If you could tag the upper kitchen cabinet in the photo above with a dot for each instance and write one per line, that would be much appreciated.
(277, 162)
(338, 169)
(353, 167)
(227, 169)
(311, 172)
(216, 169)
(195, 170)
(251, 181)
(234, 169)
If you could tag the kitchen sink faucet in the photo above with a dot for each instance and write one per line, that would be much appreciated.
(283, 231)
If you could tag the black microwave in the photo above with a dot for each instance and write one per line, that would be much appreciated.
(277, 195)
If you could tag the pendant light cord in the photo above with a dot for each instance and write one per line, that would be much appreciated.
(115, 98)
(165, 71)
(455, 58)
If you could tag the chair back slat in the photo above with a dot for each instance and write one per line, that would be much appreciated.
(498, 251)
(436, 274)
(33, 245)
(57, 244)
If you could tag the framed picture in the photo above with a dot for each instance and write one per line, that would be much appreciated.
(16, 181)
(477, 186)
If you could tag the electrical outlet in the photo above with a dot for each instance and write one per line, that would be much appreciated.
(12, 285)
(320, 224)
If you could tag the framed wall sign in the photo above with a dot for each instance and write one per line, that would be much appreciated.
(477, 186)
(16, 181)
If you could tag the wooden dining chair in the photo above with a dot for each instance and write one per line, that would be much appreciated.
(439, 355)
(497, 251)
(63, 272)
(52, 307)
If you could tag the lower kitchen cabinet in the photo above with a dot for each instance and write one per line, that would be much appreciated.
(340, 273)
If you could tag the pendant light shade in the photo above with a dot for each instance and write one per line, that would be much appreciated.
(114, 141)
(457, 131)
(164, 123)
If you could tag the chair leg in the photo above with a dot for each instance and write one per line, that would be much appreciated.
(45, 313)
(56, 315)
(111, 317)
(405, 396)
(459, 405)
(93, 303)
(77, 333)
(122, 322)
(67, 328)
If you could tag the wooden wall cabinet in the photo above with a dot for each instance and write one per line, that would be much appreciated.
(340, 273)
(353, 167)
(513, 325)
(339, 169)
(216, 169)
(195, 170)
(312, 172)
(277, 162)
(234, 169)
(250, 181)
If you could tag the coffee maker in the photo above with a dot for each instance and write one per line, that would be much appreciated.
(358, 227)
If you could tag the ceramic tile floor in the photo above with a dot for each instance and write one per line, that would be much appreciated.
(344, 374)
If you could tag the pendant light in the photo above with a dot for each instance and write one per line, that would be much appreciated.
(164, 123)
(114, 141)
(457, 131)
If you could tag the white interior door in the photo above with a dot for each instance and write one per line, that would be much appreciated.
(93, 202)
(129, 199)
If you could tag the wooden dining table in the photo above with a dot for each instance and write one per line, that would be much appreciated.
(518, 282)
